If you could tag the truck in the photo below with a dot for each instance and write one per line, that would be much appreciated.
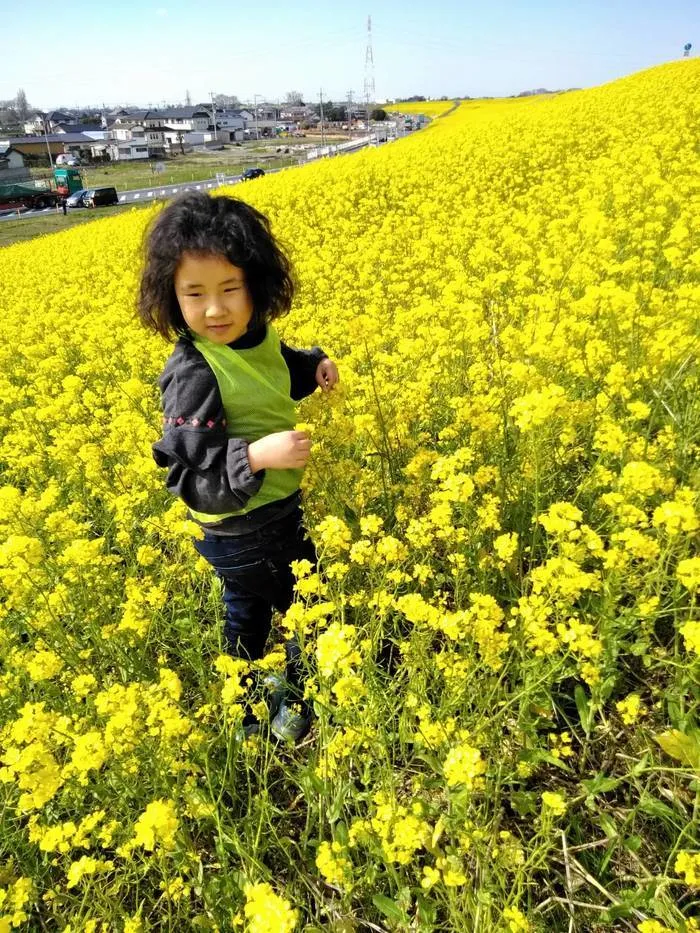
(44, 192)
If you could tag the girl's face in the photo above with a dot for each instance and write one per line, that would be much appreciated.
(213, 297)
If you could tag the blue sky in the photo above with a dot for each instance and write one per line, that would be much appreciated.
(143, 52)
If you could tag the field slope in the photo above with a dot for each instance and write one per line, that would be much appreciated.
(504, 643)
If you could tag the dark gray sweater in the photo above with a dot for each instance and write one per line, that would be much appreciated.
(208, 469)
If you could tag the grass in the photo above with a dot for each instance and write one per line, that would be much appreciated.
(31, 226)
(126, 176)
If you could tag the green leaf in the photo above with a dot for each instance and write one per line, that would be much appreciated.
(681, 747)
(608, 826)
(524, 802)
(553, 760)
(389, 908)
(640, 766)
(585, 713)
(658, 809)
(600, 784)
(426, 911)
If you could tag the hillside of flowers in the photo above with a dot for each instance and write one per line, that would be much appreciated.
(431, 108)
(503, 643)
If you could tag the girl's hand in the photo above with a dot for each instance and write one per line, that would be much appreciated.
(281, 451)
(327, 374)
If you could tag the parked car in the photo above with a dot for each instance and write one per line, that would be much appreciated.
(252, 173)
(67, 158)
(77, 199)
(100, 197)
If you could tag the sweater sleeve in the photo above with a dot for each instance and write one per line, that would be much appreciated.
(207, 469)
(302, 365)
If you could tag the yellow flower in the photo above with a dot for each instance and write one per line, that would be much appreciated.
(554, 802)
(643, 479)
(515, 921)
(86, 865)
(83, 684)
(506, 546)
(335, 649)
(334, 536)
(267, 912)
(158, 825)
(430, 878)
(691, 635)
(464, 765)
(333, 862)
(561, 519)
(677, 516)
(687, 864)
(631, 708)
(371, 525)
(688, 572)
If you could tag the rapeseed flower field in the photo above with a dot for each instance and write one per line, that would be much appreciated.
(503, 645)
(431, 108)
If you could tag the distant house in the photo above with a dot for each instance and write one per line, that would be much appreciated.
(187, 119)
(262, 121)
(230, 125)
(154, 136)
(296, 113)
(128, 150)
(173, 129)
(34, 148)
(37, 121)
(87, 129)
(13, 165)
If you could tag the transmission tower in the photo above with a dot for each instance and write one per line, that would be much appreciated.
(369, 70)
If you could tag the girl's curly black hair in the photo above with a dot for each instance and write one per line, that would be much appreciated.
(197, 223)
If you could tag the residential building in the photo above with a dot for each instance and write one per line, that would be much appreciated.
(34, 147)
(13, 165)
(127, 150)
(38, 121)
(262, 120)
(186, 119)
(87, 129)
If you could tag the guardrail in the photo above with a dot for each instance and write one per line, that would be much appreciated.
(322, 151)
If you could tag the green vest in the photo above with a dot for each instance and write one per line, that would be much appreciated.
(255, 389)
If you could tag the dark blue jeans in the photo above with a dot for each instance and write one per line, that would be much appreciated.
(257, 578)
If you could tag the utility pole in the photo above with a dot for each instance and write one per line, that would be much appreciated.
(213, 116)
(255, 108)
(46, 137)
(369, 70)
(350, 93)
(323, 136)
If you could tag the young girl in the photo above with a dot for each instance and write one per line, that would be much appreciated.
(215, 278)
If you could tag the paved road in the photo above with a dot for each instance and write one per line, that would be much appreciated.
(167, 191)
